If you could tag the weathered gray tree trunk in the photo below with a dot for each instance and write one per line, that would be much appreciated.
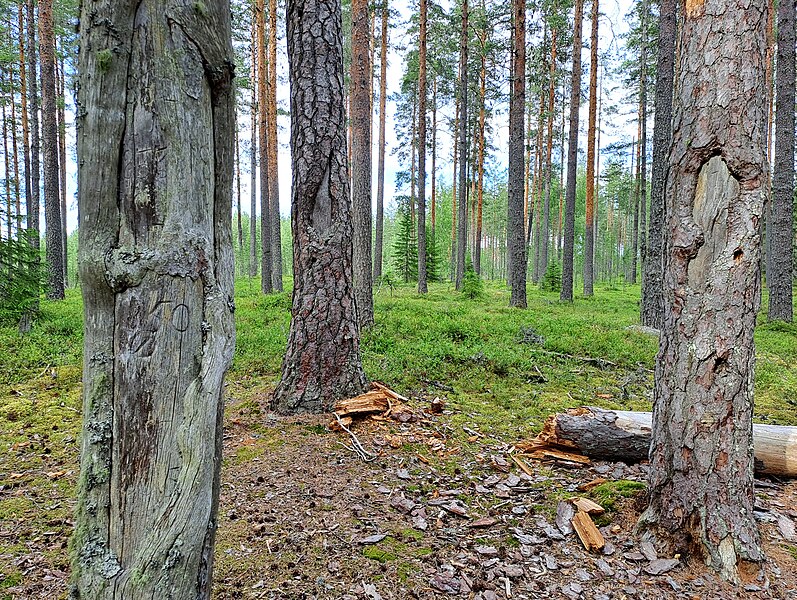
(515, 239)
(155, 140)
(701, 477)
(780, 227)
(52, 202)
(360, 98)
(380, 177)
(322, 363)
(33, 101)
(462, 225)
(653, 267)
(422, 94)
(569, 232)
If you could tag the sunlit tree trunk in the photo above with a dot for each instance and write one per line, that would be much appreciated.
(273, 150)
(589, 225)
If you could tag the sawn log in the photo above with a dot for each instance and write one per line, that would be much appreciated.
(619, 435)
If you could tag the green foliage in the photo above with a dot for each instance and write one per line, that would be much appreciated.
(472, 284)
(552, 279)
(22, 277)
(405, 247)
(434, 261)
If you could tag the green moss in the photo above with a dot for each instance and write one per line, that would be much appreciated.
(378, 554)
(201, 8)
(610, 493)
(104, 58)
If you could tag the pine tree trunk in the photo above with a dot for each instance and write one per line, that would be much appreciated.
(643, 139)
(463, 148)
(322, 362)
(545, 234)
(33, 99)
(477, 229)
(537, 191)
(266, 247)
(422, 18)
(52, 202)
(635, 203)
(781, 233)
(454, 210)
(572, 155)
(515, 239)
(589, 225)
(652, 301)
(239, 219)
(360, 98)
(23, 90)
(15, 157)
(433, 208)
(60, 77)
(155, 137)
(380, 181)
(253, 266)
(701, 472)
(9, 211)
(273, 151)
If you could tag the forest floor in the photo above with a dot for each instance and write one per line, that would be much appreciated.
(442, 511)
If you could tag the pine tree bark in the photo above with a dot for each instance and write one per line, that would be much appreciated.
(52, 202)
(273, 151)
(23, 91)
(422, 18)
(781, 232)
(61, 103)
(480, 143)
(253, 267)
(266, 247)
(545, 233)
(360, 98)
(155, 136)
(9, 211)
(652, 300)
(380, 177)
(643, 139)
(589, 225)
(566, 294)
(701, 473)
(455, 174)
(463, 148)
(515, 239)
(239, 218)
(33, 101)
(322, 363)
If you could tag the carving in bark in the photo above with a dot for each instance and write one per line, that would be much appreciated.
(322, 362)
(701, 477)
(155, 137)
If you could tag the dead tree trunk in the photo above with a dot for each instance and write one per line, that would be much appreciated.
(701, 478)
(155, 137)
(322, 363)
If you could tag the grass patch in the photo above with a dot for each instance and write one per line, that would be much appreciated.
(611, 493)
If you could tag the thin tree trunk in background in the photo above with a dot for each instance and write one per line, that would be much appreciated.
(480, 142)
(413, 154)
(463, 148)
(33, 99)
(560, 219)
(322, 363)
(536, 198)
(545, 234)
(15, 157)
(527, 177)
(701, 473)
(434, 160)
(156, 267)
(454, 211)
(360, 103)
(516, 248)
(266, 247)
(23, 91)
(643, 139)
(589, 225)
(652, 298)
(636, 175)
(572, 155)
(60, 79)
(422, 18)
(7, 173)
(380, 189)
(273, 151)
(52, 202)
(781, 233)
(238, 191)
(595, 227)
(253, 267)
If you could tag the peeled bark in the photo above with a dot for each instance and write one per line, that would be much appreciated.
(52, 201)
(516, 247)
(380, 177)
(701, 476)
(780, 228)
(322, 363)
(569, 233)
(155, 137)
(653, 268)
(360, 97)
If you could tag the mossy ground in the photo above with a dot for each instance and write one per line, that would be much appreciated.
(471, 352)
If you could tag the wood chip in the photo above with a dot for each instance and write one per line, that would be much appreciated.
(586, 487)
(522, 465)
(588, 506)
(587, 532)
(483, 522)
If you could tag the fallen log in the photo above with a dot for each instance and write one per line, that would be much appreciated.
(618, 435)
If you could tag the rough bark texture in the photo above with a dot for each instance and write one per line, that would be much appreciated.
(273, 151)
(462, 224)
(52, 203)
(380, 177)
(155, 137)
(480, 143)
(61, 102)
(701, 477)
(572, 159)
(422, 17)
(322, 363)
(643, 139)
(360, 97)
(515, 239)
(266, 247)
(23, 89)
(253, 268)
(780, 231)
(589, 225)
(652, 299)
(33, 100)
(624, 436)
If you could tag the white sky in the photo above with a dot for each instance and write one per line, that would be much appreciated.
(612, 25)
